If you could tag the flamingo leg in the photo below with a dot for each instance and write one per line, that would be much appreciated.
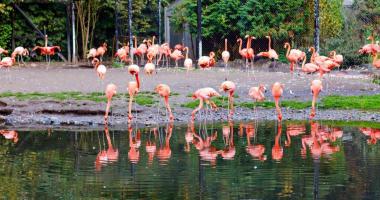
(171, 117)
(107, 111)
(130, 116)
(200, 106)
(278, 109)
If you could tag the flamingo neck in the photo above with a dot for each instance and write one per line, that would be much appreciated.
(46, 41)
(225, 44)
(269, 43)
(241, 43)
(374, 59)
(187, 53)
(288, 50)
(137, 80)
(135, 43)
(303, 63)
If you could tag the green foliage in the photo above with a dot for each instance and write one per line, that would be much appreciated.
(5, 27)
(368, 12)
(331, 18)
(95, 96)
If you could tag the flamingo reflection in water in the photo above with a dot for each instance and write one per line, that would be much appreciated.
(293, 130)
(255, 150)
(134, 145)
(9, 135)
(150, 146)
(374, 134)
(319, 142)
(229, 151)
(164, 152)
(203, 143)
(110, 155)
(189, 137)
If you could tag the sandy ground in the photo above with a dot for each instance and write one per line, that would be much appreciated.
(59, 77)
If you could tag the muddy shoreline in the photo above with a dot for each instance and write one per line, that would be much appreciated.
(70, 113)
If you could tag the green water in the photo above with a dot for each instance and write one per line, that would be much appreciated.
(250, 160)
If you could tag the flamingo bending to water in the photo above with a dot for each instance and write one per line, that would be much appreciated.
(316, 88)
(164, 91)
(110, 92)
(204, 95)
(277, 90)
(229, 86)
(20, 52)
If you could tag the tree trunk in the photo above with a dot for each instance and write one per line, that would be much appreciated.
(316, 25)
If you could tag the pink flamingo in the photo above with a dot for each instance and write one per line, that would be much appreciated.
(243, 52)
(225, 53)
(230, 87)
(141, 50)
(293, 55)
(207, 61)
(336, 58)
(7, 62)
(257, 93)
(204, 95)
(176, 55)
(277, 90)
(100, 51)
(20, 52)
(309, 67)
(316, 88)
(100, 68)
(188, 62)
(371, 48)
(271, 53)
(47, 51)
(110, 91)
(149, 67)
(123, 53)
(133, 87)
(164, 91)
(164, 52)
(250, 52)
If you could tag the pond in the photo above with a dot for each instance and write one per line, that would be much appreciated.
(235, 160)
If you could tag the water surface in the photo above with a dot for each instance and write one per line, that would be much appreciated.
(245, 160)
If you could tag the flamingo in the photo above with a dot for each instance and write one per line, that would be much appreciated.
(91, 54)
(293, 55)
(188, 63)
(376, 62)
(7, 62)
(371, 48)
(153, 49)
(100, 51)
(257, 93)
(271, 53)
(336, 58)
(123, 53)
(204, 95)
(251, 53)
(277, 90)
(164, 52)
(141, 50)
(100, 68)
(243, 52)
(10, 135)
(20, 52)
(106, 156)
(229, 86)
(110, 92)
(225, 53)
(176, 55)
(3, 51)
(149, 67)
(164, 91)
(316, 87)
(277, 150)
(207, 61)
(133, 89)
(47, 51)
(309, 67)
(134, 71)
(179, 47)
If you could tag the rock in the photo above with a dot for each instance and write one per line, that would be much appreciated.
(6, 111)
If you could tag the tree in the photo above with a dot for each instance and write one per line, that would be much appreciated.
(368, 12)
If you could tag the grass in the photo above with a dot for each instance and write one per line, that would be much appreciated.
(368, 102)
(118, 64)
(144, 98)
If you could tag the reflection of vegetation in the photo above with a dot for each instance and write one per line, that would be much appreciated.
(369, 102)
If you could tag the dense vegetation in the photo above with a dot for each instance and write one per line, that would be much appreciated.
(285, 20)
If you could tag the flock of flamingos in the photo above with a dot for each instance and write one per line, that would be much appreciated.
(156, 53)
